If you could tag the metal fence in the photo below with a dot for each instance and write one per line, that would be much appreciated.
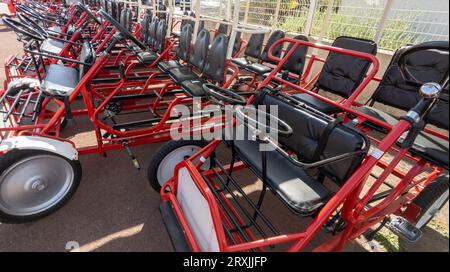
(392, 23)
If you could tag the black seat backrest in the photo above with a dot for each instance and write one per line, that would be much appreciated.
(223, 29)
(145, 23)
(237, 43)
(216, 61)
(308, 129)
(184, 44)
(162, 15)
(200, 50)
(125, 18)
(277, 51)
(254, 45)
(113, 10)
(120, 7)
(439, 114)
(87, 55)
(160, 40)
(185, 21)
(105, 6)
(426, 66)
(296, 62)
(342, 74)
(152, 31)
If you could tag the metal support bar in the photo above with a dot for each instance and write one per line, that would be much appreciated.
(170, 18)
(234, 29)
(276, 15)
(326, 21)
(197, 20)
(310, 19)
(386, 11)
(247, 9)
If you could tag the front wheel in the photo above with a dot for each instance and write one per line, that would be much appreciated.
(168, 156)
(34, 184)
(431, 200)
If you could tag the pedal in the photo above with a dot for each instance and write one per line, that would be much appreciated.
(133, 158)
(404, 229)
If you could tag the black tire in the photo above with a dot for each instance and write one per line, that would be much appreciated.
(163, 151)
(14, 156)
(429, 196)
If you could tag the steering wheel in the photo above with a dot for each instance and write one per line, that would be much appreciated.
(219, 95)
(402, 61)
(122, 29)
(246, 116)
(26, 10)
(23, 29)
(89, 13)
(32, 24)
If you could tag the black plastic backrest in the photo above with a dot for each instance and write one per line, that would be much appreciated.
(152, 31)
(200, 49)
(113, 10)
(125, 18)
(185, 42)
(277, 51)
(106, 6)
(184, 21)
(120, 7)
(87, 55)
(254, 46)
(223, 29)
(296, 62)
(237, 43)
(162, 15)
(145, 23)
(308, 129)
(160, 40)
(426, 66)
(191, 22)
(215, 63)
(342, 74)
(439, 114)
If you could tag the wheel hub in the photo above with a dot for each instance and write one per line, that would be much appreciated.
(38, 185)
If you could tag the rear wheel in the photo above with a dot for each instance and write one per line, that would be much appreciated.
(168, 156)
(34, 184)
(431, 200)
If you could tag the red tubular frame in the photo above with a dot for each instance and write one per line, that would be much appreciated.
(353, 211)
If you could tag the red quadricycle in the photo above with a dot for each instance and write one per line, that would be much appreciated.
(115, 82)
(344, 172)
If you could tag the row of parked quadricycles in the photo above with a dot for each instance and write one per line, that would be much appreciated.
(345, 165)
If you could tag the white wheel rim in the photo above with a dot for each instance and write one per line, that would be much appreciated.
(167, 165)
(431, 212)
(35, 184)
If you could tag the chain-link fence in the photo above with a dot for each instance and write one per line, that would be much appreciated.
(411, 21)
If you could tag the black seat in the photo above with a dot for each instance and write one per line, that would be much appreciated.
(125, 18)
(341, 74)
(253, 50)
(145, 24)
(61, 80)
(222, 29)
(430, 65)
(153, 28)
(260, 68)
(197, 60)
(214, 69)
(182, 52)
(298, 187)
(295, 63)
(148, 57)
